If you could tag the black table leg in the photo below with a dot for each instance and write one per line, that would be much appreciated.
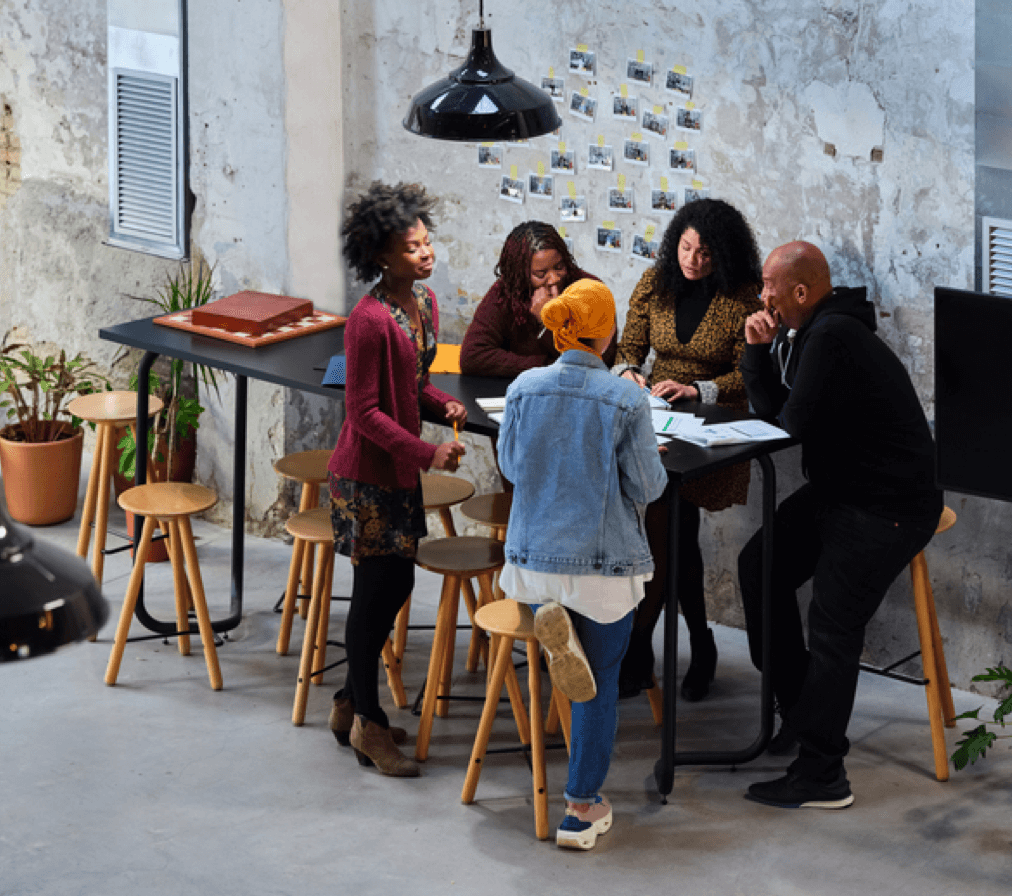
(665, 766)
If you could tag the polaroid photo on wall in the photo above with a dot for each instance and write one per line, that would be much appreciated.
(582, 62)
(640, 72)
(694, 193)
(636, 152)
(563, 162)
(490, 156)
(573, 209)
(679, 84)
(682, 160)
(655, 123)
(689, 119)
(644, 249)
(609, 239)
(581, 106)
(541, 186)
(512, 190)
(621, 200)
(624, 107)
(664, 201)
(555, 88)
(602, 158)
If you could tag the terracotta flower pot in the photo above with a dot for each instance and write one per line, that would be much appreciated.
(41, 478)
(184, 461)
(159, 551)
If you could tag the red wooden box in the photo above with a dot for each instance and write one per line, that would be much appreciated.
(254, 313)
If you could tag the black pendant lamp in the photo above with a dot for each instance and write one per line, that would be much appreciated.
(482, 101)
(48, 596)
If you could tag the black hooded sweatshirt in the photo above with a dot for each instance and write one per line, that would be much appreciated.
(849, 400)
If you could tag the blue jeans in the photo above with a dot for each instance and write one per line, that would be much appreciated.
(595, 722)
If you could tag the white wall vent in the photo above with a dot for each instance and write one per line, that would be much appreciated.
(996, 264)
(147, 142)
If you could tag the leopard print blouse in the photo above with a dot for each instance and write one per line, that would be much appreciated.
(711, 355)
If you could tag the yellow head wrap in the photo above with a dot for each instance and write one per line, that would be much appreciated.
(584, 310)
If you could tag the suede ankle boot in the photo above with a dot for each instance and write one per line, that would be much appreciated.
(342, 715)
(702, 668)
(373, 745)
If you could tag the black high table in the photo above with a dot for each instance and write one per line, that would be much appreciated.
(295, 364)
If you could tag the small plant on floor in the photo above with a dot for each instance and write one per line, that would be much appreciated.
(977, 741)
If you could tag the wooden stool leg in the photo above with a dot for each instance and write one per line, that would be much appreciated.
(444, 621)
(919, 580)
(656, 697)
(326, 560)
(102, 507)
(393, 669)
(291, 593)
(179, 587)
(540, 780)
(401, 630)
(91, 496)
(446, 675)
(517, 705)
(503, 661)
(552, 719)
(944, 686)
(129, 603)
(185, 535)
(306, 659)
(565, 714)
(309, 498)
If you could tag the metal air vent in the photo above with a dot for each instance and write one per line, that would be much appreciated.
(997, 261)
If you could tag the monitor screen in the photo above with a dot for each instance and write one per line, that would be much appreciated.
(973, 393)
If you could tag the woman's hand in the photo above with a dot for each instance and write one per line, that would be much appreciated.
(541, 297)
(455, 413)
(637, 378)
(669, 390)
(448, 456)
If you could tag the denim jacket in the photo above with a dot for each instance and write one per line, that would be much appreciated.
(579, 447)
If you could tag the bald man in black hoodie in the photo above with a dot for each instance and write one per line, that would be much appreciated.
(814, 365)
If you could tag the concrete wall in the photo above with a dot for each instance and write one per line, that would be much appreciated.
(851, 124)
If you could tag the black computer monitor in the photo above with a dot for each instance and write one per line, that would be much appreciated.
(973, 393)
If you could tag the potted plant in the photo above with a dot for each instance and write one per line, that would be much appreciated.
(172, 436)
(40, 451)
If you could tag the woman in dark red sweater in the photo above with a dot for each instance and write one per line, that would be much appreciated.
(506, 335)
(375, 492)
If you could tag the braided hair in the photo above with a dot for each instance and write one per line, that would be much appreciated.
(725, 232)
(377, 215)
(514, 267)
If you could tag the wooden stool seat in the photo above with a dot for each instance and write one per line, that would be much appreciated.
(304, 466)
(109, 411)
(170, 504)
(489, 510)
(455, 559)
(312, 525)
(440, 492)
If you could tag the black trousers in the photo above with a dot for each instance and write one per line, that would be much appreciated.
(852, 557)
(380, 586)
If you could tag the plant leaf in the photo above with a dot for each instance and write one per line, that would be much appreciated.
(973, 746)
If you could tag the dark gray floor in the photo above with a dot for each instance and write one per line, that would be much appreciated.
(160, 785)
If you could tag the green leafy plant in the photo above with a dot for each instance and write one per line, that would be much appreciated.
(189, 288)
(975, 742)
(35, 392)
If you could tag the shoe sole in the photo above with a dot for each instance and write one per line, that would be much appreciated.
(567, 663)
(840, 803)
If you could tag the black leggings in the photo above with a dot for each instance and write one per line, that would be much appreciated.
(380, 587)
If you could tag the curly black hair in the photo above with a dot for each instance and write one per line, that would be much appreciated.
(725, 232)
(377, 215)
(514, 267)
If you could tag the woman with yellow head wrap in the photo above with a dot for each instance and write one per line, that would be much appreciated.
(578, 445)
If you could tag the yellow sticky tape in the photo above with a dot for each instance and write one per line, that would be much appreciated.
(562, 146)
(658, 110)
(681, 144)
(679, 70)
(637, 136)
(621, 183)
(639, 56)
(551, 71)
(651, 230)
(513, 172)
(583, 91)
(697, 185)
(600, 139)
(609, 224)
(664, 184)
(541, 169)
(582, 48)
(690, 105)
(623, 91)
(572, 190)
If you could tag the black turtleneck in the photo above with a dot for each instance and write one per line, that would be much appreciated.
(691, 307)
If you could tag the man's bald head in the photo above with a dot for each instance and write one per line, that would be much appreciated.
(796, 279)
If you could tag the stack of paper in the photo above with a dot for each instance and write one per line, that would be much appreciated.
(737, 433)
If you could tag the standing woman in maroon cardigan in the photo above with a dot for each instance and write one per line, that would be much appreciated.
(506, 335)
(375, 491)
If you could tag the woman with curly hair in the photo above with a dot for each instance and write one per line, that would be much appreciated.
(506, 335)
(375, 491)
(690, 309)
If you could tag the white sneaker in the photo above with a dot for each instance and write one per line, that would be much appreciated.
(579, 829)
(567, 663)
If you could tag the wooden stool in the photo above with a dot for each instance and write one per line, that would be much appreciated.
(170, 504)
(309, 468)
(510, 621)
(313, 527)
(109, 411)
(941, 712)
(455, 559)
(440, 492)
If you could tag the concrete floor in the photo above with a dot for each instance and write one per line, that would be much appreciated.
(160, 785)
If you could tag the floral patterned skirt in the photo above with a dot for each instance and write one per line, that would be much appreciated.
(375, 520)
